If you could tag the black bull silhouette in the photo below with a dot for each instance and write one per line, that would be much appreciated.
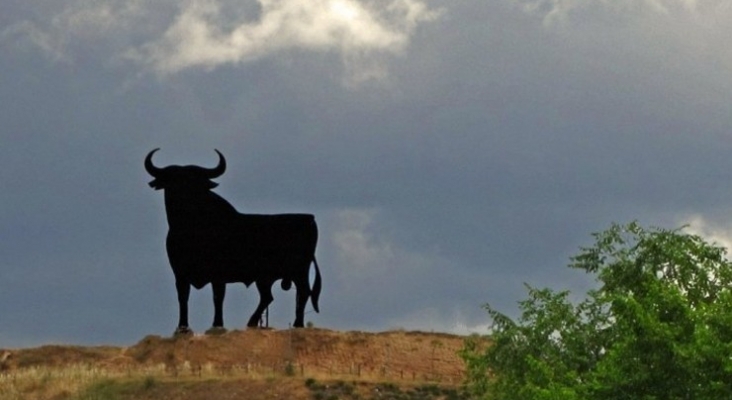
(210, 242)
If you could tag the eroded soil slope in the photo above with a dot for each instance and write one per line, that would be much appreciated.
(397, 355)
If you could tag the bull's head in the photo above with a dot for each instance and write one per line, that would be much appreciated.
(186, 177)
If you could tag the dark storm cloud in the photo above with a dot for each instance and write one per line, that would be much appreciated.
(478, 155)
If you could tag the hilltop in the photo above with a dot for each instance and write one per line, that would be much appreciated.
(252, 364)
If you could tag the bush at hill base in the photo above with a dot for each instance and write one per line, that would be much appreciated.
(659, 326)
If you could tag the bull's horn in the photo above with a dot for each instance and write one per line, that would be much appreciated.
(149, 167)
(219, 169)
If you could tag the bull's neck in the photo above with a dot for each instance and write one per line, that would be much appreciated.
(191, 210)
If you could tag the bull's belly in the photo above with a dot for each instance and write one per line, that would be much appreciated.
(202, 273)
(233, 271)
(208, 258)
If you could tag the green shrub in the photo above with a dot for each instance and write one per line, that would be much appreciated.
(658, 326)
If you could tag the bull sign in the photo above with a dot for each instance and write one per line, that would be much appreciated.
(210, 242)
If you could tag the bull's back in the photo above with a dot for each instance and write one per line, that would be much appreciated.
(276, 233)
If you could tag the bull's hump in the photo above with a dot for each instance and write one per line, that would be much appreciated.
(279, 218)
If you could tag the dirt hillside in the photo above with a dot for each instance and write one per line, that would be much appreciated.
(411, 355)
(236, 359)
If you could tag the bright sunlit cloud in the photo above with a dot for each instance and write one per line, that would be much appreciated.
(169, 37)
(196, 38)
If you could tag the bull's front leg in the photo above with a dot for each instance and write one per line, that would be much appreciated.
(219, 292)
(184, 290)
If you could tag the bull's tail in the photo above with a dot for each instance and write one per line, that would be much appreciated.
(315, 293)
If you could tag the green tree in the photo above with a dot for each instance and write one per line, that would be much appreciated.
(658, 326)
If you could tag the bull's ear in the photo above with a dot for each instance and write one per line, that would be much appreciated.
(156, 184)
(211, 185)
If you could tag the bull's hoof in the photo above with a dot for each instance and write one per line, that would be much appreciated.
(216, 330)
(257, 326)
(182, 331)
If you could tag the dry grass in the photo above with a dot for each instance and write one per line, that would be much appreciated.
(47, 382)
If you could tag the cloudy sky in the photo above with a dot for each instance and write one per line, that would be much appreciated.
(450, 150)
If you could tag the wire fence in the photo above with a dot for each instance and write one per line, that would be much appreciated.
(85, 373)
(297, 369)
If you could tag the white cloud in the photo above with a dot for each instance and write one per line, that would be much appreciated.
(437, 320)
(368, 263)
(168, 37)
(558, 11)
(366, 255)
(27, 32)
(94, 18)
(719, 232)
(83, 21)
(196, 38)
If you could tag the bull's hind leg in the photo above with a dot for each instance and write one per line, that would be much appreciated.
(302, 287)
(265, 298)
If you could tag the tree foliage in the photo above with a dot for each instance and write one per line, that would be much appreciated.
(658, 326)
